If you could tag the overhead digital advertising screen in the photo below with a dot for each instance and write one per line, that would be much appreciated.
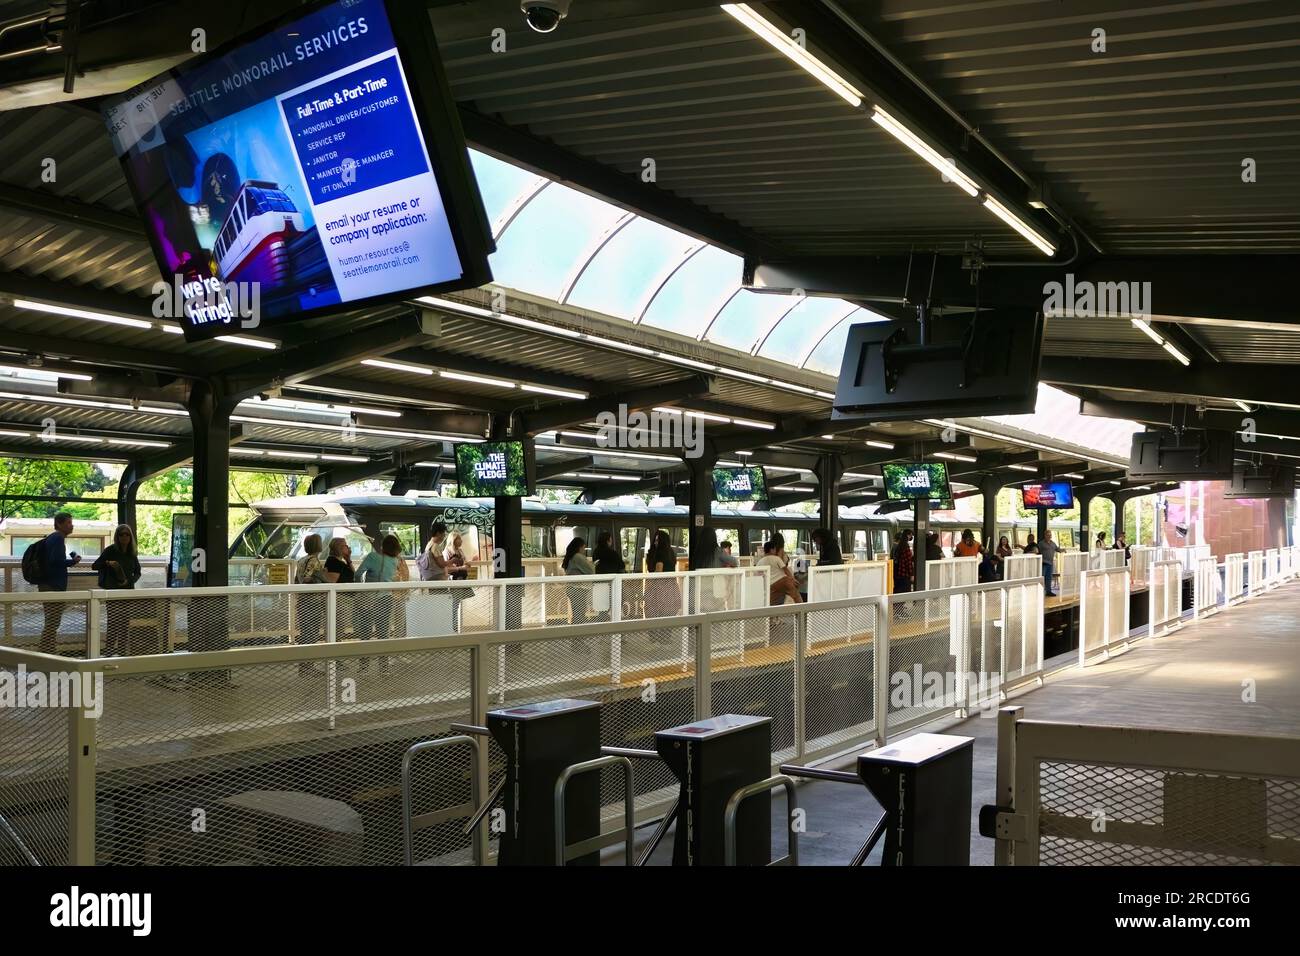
(923, 480)
(1055, 494)
(731, 485)
(493, 469)
(312, 166)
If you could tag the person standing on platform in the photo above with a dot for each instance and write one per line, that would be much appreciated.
(1101, 541)
(339, 570)
(577, 563)
(904, 564)
(1031, 546)
(432, 562)
(663, 598)
(311, 607)
(382, 566)
(55, 562)
(932, 550)
(828, 548)
(1000, 556)
(607, 558)
(119, 570)
(728, 559)
(1048, 549)
(968, 547)
(1122, 545)
(783, 587)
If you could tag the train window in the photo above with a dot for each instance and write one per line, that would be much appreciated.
(882, 543)
(633, 542)
(537, 541)
(407, 533)
(250, 542)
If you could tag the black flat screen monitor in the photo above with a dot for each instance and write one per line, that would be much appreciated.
(312, 166)
(1261, 481)
(1198, 455)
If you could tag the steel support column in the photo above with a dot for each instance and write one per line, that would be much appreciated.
(829, 470)
(700, 502)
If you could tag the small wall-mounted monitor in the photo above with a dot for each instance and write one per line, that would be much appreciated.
(308, 167)
(924, 480)
(1196, 455)
(1054, 494)
(1261, 481)
(493, 469)
(731, 485)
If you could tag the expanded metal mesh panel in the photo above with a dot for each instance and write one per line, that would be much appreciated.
(33, 781)
(49, 626)
(1107, 815)
(1070, 565)
(923, 646)
(644, 679)
(839, 697)
(279, 763)
(1024, 643)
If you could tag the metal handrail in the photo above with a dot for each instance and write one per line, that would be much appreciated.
(18, 841)
(408, 835)
(562, 849)
(753, 790)
(843, 776)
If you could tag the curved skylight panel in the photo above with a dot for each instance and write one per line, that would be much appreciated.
(744, 320)
(1056, 415)
(539, 250)
(801, 328)
(500, 183)
(693, 296)
(828, 354)
(625, 271)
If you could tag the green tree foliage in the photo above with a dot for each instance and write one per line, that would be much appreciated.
(59, 479)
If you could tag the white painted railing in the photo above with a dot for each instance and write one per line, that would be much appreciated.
(1209, 591)
(1070, 566)
(1022, 567)
(1234, 578)
(1103, 614)
(1256, 578)
(1165, 592)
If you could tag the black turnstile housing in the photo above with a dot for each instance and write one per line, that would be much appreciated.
(712, 759)
(924, 784)
(540, 742)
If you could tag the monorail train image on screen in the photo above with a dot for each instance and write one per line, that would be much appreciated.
(279, 526)
(253, 244)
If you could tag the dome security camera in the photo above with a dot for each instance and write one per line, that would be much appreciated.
(543, 16)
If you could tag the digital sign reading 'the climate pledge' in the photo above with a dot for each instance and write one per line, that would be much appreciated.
(303, 169)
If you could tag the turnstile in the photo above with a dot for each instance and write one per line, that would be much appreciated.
(713, 759)
(541, 741)
(924, 784)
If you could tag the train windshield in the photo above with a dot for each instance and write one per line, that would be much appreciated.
(277, 538)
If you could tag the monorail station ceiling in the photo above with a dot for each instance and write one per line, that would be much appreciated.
(652, 170)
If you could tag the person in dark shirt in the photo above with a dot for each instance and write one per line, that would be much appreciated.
(828, 548)
(119, 570)
(932, 550)
(339, 570)
(55, 564)
(607, 557)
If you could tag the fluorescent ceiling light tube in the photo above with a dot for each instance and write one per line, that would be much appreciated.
(456, 306)
(749, 423)
(685, 361)
(560, 392)
(786, 45)
(57, 373)
(1070, 474)
(1011, 219)
(249, 342)
(615, 344)
(10, 433)
(888, 446)
(81, 314)
(1242, 405)
(1173, 350)
(139, 443)
(477, 379)
(1146, 327)
(397, 366)
(926, 152)
(356, 458)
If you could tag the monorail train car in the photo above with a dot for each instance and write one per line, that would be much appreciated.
(252, 245)
(280, 525)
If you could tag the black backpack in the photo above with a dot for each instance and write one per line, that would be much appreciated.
(34, 563)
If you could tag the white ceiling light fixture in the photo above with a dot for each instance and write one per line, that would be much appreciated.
(1070, 474)
(1151, 333)
(557, 392)
(788, 47)
(81, 314)
(477, 379)
(913, 142)
(398, 366)
(955, 457)
(1243, 406)
(1036, 239)
(249, 342)
(1176, 353)
(139, 443)
(57, 373)
(887, 446)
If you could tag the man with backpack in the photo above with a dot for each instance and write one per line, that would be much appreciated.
(51, 572)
